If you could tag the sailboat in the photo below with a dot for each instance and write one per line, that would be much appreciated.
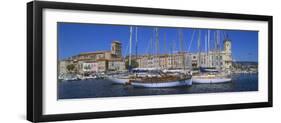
(124, 78)
(162, 81)
(159, 78)
(120, 78)
(209, 75)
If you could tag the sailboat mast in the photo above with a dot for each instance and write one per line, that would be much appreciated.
(206, 42)
(181, 47)
(151, 44)
(199, 48)
(180, 39)
(216, 49)
(165, 43)
(157, 45)
(136, 45)
(130, 48)
(189, 46)
(206, 53)
(172, 53)
(208, 49)
(218, 40)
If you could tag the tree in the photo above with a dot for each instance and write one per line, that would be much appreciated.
(134, 64)
(70, 67)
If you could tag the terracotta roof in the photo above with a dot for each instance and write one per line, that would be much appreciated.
(115, 41)
(95, 52)
(116, 59)
(102, 60)
(87, 61)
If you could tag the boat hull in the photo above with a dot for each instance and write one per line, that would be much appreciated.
(163, 84)
(119, 80)
(210, 80)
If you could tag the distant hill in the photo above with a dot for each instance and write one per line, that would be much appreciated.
(245, 62)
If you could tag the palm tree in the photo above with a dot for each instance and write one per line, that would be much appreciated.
(70, 67)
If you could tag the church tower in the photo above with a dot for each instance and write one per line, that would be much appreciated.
(227, 46)
(227, 55)
(116, 49)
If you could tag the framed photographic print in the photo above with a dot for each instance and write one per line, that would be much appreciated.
(96, 61)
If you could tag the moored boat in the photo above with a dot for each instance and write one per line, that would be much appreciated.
(69, 77)
(124, 78)
(162, 81)
(158, 77)
(205, 79)
(210, 76)
(176, 83)
(207, 73)
(119, 79)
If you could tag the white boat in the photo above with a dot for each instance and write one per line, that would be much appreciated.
(89, 77)
(70, 77)
(208, 79)
(119, 79)
(166, 84)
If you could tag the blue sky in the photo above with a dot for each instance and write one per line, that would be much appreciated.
(74, 38)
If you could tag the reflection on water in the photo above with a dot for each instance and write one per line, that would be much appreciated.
(105, 88)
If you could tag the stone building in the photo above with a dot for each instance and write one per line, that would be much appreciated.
(165, 61)
(116, 49)
(98, 61)
(111, 60)
(62, 66)
(116, 65)
(219, 59)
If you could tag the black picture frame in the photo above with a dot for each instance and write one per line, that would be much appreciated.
(35, 69)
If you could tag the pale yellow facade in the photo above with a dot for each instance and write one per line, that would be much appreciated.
(220, 59)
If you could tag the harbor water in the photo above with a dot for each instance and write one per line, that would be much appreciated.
(104, 88)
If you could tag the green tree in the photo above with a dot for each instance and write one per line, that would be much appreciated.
(70, 67)
(134, 64)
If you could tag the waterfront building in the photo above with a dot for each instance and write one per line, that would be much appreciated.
(63, 66)
(97, 61)
(102, 65)
(219, 59)
(165, 61)
(116, 65)
(90, 67)
(111, 60)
